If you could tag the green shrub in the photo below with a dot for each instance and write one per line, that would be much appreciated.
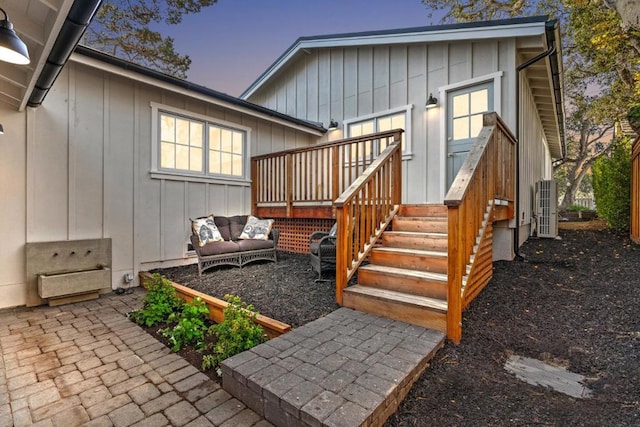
(236, 333)
(611, 185)
(189, 325)
(159, 303)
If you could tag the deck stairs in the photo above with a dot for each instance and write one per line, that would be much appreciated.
(406, 278)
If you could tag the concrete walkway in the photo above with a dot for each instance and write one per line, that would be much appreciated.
(87, 364)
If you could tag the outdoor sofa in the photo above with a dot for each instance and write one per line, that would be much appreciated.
(235, 240)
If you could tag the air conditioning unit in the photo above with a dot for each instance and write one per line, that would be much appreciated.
(547, 209)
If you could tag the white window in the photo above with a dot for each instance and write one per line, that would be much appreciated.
(195, 147)
(387, 120)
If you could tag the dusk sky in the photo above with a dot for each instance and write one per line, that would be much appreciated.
(232, 42)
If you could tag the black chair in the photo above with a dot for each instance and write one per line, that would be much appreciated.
(322, 249)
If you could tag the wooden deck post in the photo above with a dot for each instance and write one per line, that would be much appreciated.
(288, 179)
(454, 297)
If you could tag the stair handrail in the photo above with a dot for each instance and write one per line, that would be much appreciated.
(365, 209)
(488, 173)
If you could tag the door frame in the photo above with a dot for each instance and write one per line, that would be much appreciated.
(496, 79)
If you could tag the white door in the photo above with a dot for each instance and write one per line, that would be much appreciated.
(465, 108)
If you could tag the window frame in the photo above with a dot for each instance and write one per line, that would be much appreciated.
(157, 172)
(407, 153)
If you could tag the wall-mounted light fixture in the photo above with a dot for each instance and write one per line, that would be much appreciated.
(431, 102)
(12, 49)
(1, 130)
(333, 125)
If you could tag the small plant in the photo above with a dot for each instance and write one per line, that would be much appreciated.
(159, 303)
(189, 325)
(236, 333)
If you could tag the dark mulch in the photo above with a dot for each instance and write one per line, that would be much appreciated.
(573, 303)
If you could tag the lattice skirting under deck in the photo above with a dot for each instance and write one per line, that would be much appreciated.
(295, 232)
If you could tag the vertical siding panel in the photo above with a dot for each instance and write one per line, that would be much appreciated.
(313, 85)
(350, 83)
(324, 85)
(119, 174)
(459, 67)
(484, 57)
(399, 58)
(337, 84)
(301, 89)
(365, 81)
(48, 161)
(86, 209)
(437, 76)
(291, 92)
(415, 70)
(173, 220)
(381, 83)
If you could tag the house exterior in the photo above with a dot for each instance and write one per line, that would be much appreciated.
(96, 147)
(381, 80)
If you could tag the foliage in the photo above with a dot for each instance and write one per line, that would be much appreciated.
(189, 325)
(159, 303)
(634, 117)
(124, 29)
(236, 333)
(611, 185)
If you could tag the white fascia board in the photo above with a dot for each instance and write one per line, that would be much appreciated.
(454, 34)
(94, 63)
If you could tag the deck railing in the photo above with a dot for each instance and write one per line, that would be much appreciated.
(365, 209)
(485, 181)
(290, 183)
(635, 191)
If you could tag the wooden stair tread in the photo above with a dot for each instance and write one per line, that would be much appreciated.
(405, 272)
(439, 254)
(421, 218)
(418, 234)
(385, 294)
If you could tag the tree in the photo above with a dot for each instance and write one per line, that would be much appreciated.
(612, 183)
(123, 28)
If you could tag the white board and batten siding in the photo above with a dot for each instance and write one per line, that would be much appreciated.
(82, 170)
(346, 83)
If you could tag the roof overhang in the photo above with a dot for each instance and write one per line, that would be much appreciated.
(110, 64)
(43, 25)
(545, 79)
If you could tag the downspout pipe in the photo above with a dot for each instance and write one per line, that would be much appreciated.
(550, 51)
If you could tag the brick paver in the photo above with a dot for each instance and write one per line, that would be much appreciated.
(87, 364)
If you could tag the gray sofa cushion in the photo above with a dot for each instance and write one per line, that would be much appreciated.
(218, 248)
(222, 222)
(251, 245)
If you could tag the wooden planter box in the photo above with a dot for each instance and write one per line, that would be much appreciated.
(272, 327)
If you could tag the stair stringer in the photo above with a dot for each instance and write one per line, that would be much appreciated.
(480, 266)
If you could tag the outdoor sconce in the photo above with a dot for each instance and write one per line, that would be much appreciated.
(333, 125)
(431, 102)
(1, 130)
(12, 49)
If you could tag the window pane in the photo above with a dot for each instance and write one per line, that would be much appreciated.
(196, 160)
(167, 128)
(461, 105)
(196, 134)
(479, 101)
(214, 138)
(225, 140)
(225, 163)
(182, 157)
(214, 162)
(167, 155)
(367, 128)
(397, 121)
(476, 125)
(182, 131)
(384, 124)
(355, 130)
(237, 142)
(237, 165)
(461, 128)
